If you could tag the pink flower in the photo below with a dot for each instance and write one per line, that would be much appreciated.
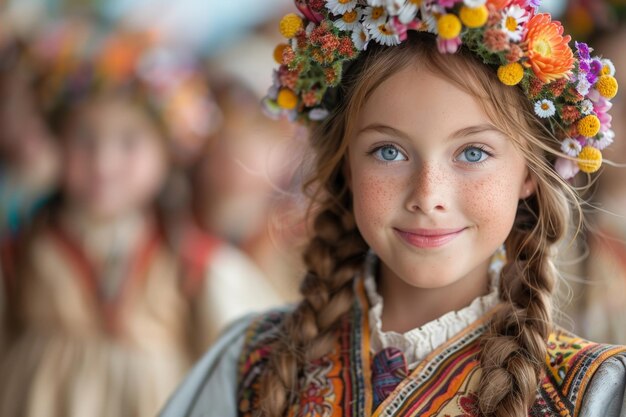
(566, 168)
(448, 3)
(601, 107)
(401, 29)
(449, 46)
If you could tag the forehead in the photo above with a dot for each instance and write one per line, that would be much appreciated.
(419, 101)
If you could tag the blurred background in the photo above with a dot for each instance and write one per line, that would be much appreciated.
(146, 201)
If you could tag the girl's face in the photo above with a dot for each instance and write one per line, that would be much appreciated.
(114, 159)
(435, 185)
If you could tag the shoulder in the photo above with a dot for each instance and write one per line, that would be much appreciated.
(606, 394)
(577, 368)
(211, 386)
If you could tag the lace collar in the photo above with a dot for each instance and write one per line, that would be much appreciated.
(418, 343)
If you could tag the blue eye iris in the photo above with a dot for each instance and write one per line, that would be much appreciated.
(473, 154)
(389, 153)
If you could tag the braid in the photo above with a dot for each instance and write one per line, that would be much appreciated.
(514, 347)
(333, 257)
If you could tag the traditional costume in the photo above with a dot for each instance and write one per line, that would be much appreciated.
(429, 371)
(80, 338)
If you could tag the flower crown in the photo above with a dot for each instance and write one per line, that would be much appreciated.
(570, 91)
(75, 59)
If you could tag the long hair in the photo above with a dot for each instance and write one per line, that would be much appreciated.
(514, 347)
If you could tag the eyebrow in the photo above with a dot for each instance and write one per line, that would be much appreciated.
(464, 132)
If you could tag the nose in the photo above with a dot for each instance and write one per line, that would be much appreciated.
(427, 190)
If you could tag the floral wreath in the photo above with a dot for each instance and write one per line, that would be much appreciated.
(73, 57)
(570, 91)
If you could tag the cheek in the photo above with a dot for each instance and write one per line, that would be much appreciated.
(147, 169)
(492, 203)
(375, 197)
(76, 169)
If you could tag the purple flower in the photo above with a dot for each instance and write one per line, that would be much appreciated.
(584, 66)
(596, 66)
(534, 3)
(592, 78)
(582, 49)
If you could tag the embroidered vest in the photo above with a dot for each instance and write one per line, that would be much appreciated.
(444, 384)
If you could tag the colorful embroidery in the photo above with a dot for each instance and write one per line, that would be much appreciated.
(445, 384)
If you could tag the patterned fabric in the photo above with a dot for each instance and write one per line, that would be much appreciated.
(388, 370)
(444, 384)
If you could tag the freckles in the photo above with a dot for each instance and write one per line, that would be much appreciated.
(373, 197)
(492, 203)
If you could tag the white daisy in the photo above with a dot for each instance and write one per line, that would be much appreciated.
(606, 138)
(586, 107)
(408, 12)
(544, 108)
(318, 113)
(474, 3)
(428, 13)
(390, 5)
(583, 86)
(383, 34)
(349, 20)
(571, 147)
(513, 20)
(375, 16)
(608, 63)
(360, 37)
(340, 6)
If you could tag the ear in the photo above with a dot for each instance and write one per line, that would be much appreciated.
(529, 185)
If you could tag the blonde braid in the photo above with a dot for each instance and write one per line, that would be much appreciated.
(333, 257)
(514, 348)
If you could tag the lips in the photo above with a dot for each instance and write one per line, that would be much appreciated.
(428, 238)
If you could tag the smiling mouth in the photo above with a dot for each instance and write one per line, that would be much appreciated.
(428, 238)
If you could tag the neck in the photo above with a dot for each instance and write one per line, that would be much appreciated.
(99, 236)
(413, 307)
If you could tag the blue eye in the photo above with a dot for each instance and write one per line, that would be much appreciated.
(388, 153)
(473, 154)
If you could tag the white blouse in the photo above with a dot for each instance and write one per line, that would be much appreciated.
(418, 343)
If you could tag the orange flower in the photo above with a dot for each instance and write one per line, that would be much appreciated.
(549, 54)
(498, 4)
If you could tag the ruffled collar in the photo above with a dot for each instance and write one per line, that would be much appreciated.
(417, 343)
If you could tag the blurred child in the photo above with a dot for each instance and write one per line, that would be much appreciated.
(28, 157)
(246, 183)
(108, 301)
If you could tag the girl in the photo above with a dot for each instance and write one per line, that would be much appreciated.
(108, 300)
(443, 131)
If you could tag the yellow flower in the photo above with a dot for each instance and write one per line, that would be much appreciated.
(278, 52)
(449, 26)
(589, 126)
(290, 25)
(474, 17)
(287, 99)
(607, 86)
(511, 74)
(589, 159)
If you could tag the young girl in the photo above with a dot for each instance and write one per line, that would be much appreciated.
(443, 133)
(106, 304)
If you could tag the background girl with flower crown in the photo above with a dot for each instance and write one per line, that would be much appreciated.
(111, 295)
(444, 134)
